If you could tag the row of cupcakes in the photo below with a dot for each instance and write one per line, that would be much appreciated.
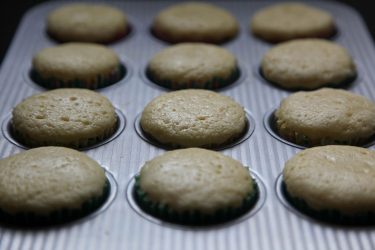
(50, 185)
(80, 118)
(189, 22)
(299, 64)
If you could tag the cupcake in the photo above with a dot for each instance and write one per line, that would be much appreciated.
(50, 185)
(87, 22)
(64, 117)
(193, 118)
(195, 186)
(286, 21)
(333, 183)
(76, 65)
(194, 22)
(326, 116)
(193, 65)
(308, 64)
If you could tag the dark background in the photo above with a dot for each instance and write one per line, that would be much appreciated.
(11, 13)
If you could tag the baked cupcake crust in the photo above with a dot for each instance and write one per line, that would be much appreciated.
(87, 23)
(45, 180)
(326, 116)
(90, 64)
(195, 65)
(307, 64)
(64, 117)
(193, 118)
(339, 178)
(286, 21)
(194, 22)
(196, 180)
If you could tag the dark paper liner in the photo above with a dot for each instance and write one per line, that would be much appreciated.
(164, 37)
(302, 141)
(60, 216)
(101, 81)
(346, 83)
(334, 35)
(214, 83)
(162, 211)
(119, 36)
(248, 131)
(14, 138)
(300, 207)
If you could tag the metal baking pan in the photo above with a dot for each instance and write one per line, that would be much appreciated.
(274, 225)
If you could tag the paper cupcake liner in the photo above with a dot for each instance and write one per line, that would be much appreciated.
(331, 33)
(62, 215)
(214, 83)
(77, 144)
(99, 81)
(167, 36)
(304, 140)
(170, 145)
(64, 37)
(340, 84)
(329, 215)
(197, 218)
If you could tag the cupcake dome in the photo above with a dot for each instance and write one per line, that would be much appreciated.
(308, 64)
(50, 185)
(195, 186)
(76, 65)
(194, 22)
(194, 118)
(193, 65)
(326, 116)
(80, 22)
(64, 117)
(286, 21)
(333, 183)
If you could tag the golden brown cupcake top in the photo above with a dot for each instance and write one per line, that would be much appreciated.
(196, 180)
(327, 114)
(48, 179)
(333, 178)
(82, 22)
(195, 22)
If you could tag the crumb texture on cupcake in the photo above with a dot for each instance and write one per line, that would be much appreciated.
(307, 64)
(286, 21)
(193, 118)
(196, 180)
(83, 22)
(76, 65)
(48, 180)
(326, 116)
(339, 178)
(193, 65)
(64, 117)
(195, 22)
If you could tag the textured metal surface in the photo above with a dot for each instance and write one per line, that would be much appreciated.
(274, 226)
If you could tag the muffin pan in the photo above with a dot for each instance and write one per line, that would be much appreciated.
(272, 225)
(113, 189)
